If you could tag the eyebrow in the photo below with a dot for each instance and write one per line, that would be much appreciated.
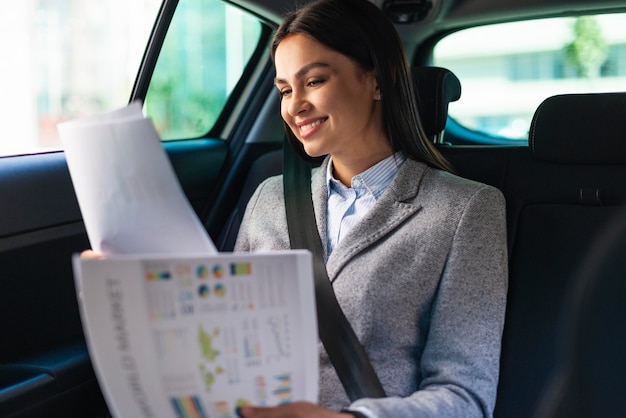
(302, 71)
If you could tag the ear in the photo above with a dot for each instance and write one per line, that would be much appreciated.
(372, 81)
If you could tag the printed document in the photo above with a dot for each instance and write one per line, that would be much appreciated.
(129, 196)
(200, 336)
(173, 328)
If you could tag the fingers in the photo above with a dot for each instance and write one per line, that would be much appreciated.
(293, 410)
(285, 411)
(92, 255)
(246, 412)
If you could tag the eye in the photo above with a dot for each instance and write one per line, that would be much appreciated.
(284, 92)
(316, 82)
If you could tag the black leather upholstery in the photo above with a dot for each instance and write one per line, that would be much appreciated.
(435, 88)
(558, 202)
(590, 379)
(580, 129)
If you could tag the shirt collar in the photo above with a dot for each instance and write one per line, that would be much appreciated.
(374, 180)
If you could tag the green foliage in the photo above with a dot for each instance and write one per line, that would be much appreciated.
(193, 76)
(181, 114)
(589, 50)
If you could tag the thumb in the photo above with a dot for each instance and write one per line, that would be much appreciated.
(246, 412)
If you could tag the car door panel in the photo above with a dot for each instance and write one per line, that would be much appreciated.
(44, 364)
(197, 164)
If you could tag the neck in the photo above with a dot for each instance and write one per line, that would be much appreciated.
(346, 167)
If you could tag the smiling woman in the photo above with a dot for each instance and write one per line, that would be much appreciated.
(416, 255)
(331, 104)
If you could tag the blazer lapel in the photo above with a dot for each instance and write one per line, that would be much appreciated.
(393, 208)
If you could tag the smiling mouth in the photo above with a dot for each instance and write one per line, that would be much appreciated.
(310, 126)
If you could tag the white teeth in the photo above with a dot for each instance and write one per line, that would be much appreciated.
(311, 125)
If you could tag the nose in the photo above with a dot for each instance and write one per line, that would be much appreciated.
(298, 103)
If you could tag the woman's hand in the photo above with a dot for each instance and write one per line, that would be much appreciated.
(92, 255)
(292, 410)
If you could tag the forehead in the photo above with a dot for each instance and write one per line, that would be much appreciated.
(297, 51)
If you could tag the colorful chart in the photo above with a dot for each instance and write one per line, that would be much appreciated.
(204, 291)
(188, 407)
(202, 272)
(252, 350)
(205, 340)
(156, 275)
(161, 302)
(222, 409)
(240, 269)
(218, 271)
(284, 388)
(261, 390)
(219, 290)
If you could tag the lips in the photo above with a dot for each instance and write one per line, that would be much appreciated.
(310, 126)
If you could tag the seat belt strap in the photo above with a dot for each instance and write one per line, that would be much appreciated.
(341, 343)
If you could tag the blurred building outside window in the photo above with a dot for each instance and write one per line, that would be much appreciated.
(507, 70)
(65, 59)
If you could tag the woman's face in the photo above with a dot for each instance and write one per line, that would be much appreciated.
(331, 104)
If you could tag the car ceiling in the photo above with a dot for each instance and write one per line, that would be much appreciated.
(451, 14)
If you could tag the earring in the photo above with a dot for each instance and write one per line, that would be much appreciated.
(379, 96)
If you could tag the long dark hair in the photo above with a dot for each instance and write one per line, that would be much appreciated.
(359, 30)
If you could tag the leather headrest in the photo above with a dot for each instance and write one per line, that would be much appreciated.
(580, 129)
(435, 88)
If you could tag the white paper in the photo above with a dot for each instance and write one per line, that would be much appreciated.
(129, 196)
(200, 336)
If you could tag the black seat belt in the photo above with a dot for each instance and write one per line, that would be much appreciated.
(341, 343)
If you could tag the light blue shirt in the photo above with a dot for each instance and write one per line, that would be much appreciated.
(347, 206)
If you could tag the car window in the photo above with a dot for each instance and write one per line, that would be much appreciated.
(63, 60)
(205, 52)
(507, 70)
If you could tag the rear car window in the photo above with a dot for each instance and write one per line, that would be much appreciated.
(507, 70)
(206, 50)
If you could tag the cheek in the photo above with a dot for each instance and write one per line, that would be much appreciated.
(283, 111)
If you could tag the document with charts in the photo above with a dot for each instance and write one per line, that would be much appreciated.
(199, 336)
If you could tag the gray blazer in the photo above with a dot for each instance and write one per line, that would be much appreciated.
(422, 278)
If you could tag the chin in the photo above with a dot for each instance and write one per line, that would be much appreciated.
(312, 151)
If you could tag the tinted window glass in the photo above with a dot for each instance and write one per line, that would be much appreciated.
(206, 50)
(63, 60)
(507, 70)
